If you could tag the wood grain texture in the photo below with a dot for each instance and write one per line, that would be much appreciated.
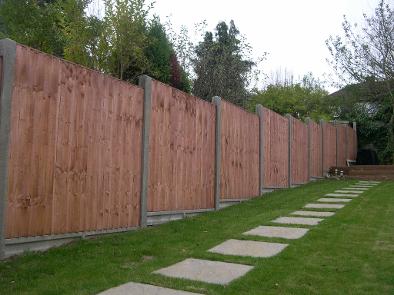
(239, 153)
(330, 146)
(276, 150)
(182, 151)
(342, 144)
(352, 143)
(316, 149)
(299, 153)
(75, 149)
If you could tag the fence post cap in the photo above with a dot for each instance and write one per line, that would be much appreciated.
(216, 100)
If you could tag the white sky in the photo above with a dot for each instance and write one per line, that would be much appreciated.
(293, 32)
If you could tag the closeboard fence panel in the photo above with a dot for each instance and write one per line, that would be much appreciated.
(315, 149)
(329, 146)
(239, 153)
(352, 143)
(342, 146)
(276, 150)
(182, 151)
(75, 149)
(299, 152)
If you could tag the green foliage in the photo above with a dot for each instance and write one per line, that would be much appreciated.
(365, 58)
(301, 100)
(33, 23)
(221, 66)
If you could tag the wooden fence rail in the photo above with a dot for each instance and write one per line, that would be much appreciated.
(82, 153)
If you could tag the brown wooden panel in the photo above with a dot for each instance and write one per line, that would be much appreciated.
(316, 149)
(75, 149)
(329, 146)
(342, 145)
(182, 151)
(239, 153)
(299, 152)
(352, 143)
(276, 150)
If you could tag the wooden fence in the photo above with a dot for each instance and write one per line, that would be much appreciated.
(316, 144)
(239, 153)
(84, 153)
(276, 150)
(299, 150)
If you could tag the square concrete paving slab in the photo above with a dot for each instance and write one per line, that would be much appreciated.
(348, 192)
(214, 272)
(143, 289)
(362, 186)
(248, 248)
(324, 206)
(369, 182)
(313, 213)
(291, 233)
(341, 195)
(356, 188)
(298, 220)
(333, 200)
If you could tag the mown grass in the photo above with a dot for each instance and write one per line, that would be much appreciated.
(349, 253)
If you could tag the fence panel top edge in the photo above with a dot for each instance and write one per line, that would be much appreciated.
(78, 65)
(238, 107)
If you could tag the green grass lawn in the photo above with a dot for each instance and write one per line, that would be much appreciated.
(349, 253)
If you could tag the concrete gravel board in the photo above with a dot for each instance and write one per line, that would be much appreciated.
(298, 220)
(214, 272)
(143, 289)
(248, 248)
(290, 233)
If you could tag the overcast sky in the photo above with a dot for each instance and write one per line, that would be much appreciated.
(293, 32)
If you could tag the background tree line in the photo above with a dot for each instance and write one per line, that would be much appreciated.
(128, 41)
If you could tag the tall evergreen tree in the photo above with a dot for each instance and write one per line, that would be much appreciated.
(220, 65)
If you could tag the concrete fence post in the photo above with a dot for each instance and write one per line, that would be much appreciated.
(347, 143)
(146, 83)
(218, 149)
(309, 122)
(260, 113)
(321, 123)
(290, 124)
(7, 59)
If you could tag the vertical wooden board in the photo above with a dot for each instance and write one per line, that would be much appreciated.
(316, 152)
(75, 149)
(32, 136)
(299, 153)
(240, 153)
(342, 144)
(182, 133)
(276, 156)
(330, 143)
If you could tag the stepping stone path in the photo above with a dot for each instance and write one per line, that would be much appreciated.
(291, 233)
(248, 248)
(313, 213)
(341, 195)
(222, 273)
(298, 220)
(324, 206)
(143, 289)
(214, 272)
(333, 200)
(348, 192)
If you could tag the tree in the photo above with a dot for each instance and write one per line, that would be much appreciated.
(302, 99)
(33, 23)
(365, 57)
(221, 65)
(124, 40)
